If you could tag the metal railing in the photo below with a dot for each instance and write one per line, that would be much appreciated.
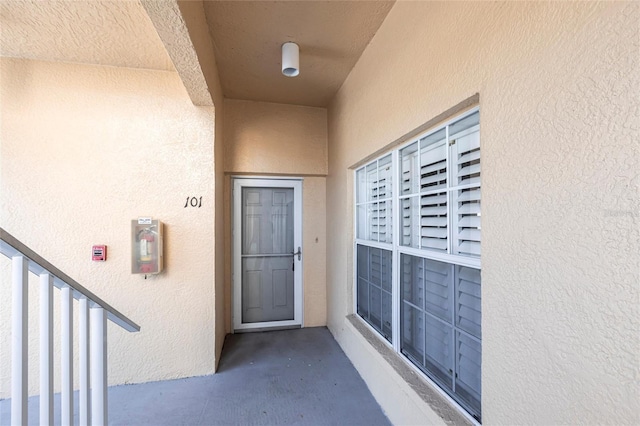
(92, 342)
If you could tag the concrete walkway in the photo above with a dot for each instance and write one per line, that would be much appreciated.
(270, 378)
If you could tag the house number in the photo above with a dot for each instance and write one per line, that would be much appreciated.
(193, 202)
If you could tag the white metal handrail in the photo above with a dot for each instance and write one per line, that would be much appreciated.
(93, 312)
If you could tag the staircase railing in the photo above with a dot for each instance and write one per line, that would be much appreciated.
(92, 342)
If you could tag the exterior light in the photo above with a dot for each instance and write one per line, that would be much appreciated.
(290, 59)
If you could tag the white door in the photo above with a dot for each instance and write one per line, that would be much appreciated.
(267, 253)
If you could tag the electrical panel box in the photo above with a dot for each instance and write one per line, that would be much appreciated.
(146, 246)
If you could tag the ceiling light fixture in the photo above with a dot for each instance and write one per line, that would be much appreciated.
(290, 59)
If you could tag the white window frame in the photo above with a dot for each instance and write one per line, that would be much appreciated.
(397, 249)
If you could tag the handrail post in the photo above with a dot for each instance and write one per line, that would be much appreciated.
(46, 349)
(19, 347)
(98, 366)
(83, 345)
(66, 356)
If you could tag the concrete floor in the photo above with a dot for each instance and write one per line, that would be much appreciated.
(269, 378)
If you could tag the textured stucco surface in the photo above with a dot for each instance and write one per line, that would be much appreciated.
(273, 139)
(198, 32)
(116, 33)
(172, 29)
(314, 240)
(262, 137)
(416, 389)
(219, 213)
(558, 85)
(85, 149)
(183, 29)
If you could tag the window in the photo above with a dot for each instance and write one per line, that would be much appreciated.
(373, 206)
(430, 266)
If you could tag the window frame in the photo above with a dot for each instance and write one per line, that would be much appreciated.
(398, 250)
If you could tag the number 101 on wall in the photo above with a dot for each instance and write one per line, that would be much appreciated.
(146, 246)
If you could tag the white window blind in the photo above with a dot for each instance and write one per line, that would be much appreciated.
(424, 203)
(373, 201)
(434, 194)
(466, 157)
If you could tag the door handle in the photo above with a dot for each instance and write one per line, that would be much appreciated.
(298, 253)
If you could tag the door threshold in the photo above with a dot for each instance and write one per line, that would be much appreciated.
(261, 329)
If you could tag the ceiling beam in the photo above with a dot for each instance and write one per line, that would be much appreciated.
(183, 29)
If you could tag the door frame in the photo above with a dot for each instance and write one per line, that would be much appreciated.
(238, 182)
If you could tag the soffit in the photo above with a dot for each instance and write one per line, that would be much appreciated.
(248, 36)
(117, 33)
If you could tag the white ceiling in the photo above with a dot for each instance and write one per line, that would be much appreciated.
(247, 37)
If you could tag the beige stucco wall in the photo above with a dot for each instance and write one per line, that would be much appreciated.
(263, 137)
(219, 254)
(84, 150)
(193, 14)
(558, 85)
(267, 139)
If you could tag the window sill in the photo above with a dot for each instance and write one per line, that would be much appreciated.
(449, 413)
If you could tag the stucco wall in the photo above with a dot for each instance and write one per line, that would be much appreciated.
(263, 137)
(274, 139)
(558, 85)
(219, 254)
(84, 150)
(193, 14)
